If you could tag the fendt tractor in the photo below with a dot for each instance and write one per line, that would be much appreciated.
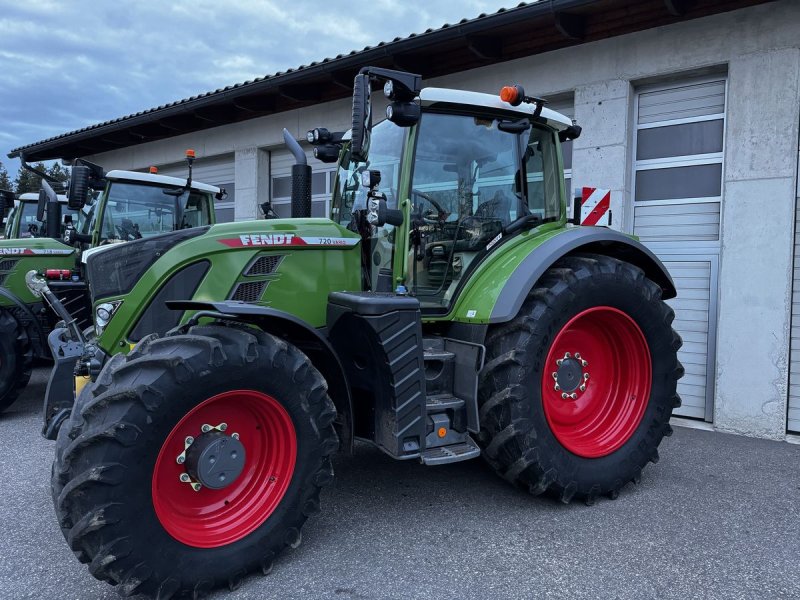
(22, 216)
(445, 310)
(130, 206)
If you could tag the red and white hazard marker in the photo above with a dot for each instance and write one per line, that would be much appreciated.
(595, 206)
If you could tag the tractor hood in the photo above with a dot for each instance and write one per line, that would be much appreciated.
(34, 247)
(17, 257)
(287, 264)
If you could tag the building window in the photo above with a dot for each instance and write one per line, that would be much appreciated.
(225, 208)
(679, 143)
(321, 190)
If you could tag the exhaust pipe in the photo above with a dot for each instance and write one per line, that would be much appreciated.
(301, 179)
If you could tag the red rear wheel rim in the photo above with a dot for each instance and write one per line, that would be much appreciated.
(212, 518)
(615, 368)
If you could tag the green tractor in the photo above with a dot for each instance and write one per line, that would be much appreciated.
(22, 220)
(126, 206)
(446, 310)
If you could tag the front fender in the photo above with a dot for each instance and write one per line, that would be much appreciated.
(498, 290)
(296, 331)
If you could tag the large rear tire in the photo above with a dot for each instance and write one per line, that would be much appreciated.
(16, 359)
(117, 478)
(578, 389)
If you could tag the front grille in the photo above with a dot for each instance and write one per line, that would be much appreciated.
(264, 265)
(8, 265)
(249, 291)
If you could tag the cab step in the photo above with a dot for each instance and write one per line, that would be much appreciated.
(449, 454)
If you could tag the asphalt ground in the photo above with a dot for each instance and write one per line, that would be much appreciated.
(717, 517)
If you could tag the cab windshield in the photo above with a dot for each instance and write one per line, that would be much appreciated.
(29, 225)
(385, 151)
(135, 210)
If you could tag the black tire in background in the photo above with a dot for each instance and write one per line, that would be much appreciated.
(519, 441)
(16, 358)
(107, 453)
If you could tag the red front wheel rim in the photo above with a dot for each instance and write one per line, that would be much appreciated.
(596, 382)
(211, 518)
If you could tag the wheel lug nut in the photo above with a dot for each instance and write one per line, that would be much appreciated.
(189, 440)
(206, 428)
(582, 388)
(559, 361)
(223, 426)
(586, 376)
(573, 395)
(567, 355)
(181, 459)
(185, 477)
(196, 487)
(584, 363)
(556, 387)
(555, 375)
(235, 436)
(577, 355)
(564, 395)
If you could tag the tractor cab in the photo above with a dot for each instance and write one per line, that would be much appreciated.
(23, 221)
(461, 174)
(131, 205)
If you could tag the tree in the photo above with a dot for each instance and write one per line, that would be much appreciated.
(60, 174)
(27, 181)
(5, 181)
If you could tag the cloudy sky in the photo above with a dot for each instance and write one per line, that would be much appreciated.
(68, 64)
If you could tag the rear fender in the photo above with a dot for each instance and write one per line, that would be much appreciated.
(597, 240)
(309, 340)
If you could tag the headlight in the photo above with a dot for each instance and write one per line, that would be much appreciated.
(103, 314)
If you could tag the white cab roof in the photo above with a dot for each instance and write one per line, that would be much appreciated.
(430, 96)
(31, 196)
(159, 179)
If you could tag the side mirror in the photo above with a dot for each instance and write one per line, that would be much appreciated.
(41, 206)
(362, 117)
(49, 210)
(78, 190)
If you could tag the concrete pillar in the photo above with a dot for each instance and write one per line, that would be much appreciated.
(599, 156)
(251, 174)
(757, 243)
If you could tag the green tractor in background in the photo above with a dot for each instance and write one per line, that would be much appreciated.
(109, 208)
(446, 310)
(22, 221)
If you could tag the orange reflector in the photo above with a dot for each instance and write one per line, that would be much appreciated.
(190, 153)
(442, 432)
(153, 170)
(509, 94)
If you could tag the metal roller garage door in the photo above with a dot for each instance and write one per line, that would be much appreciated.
(216, 170)
(794, 363)
(677, 193)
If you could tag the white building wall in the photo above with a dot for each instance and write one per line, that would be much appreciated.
(758, 48)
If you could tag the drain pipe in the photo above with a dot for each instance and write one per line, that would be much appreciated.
(301, 179)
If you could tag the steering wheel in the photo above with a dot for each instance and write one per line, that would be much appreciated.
(128, 230)
(442, 213)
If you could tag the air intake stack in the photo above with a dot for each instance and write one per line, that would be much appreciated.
(301, 179)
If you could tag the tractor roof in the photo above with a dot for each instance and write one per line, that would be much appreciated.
(159, 179)
(430, 96)
(34, 197)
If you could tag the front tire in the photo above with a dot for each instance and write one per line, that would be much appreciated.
(578, 389)
(119, 485)
(16, 359)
